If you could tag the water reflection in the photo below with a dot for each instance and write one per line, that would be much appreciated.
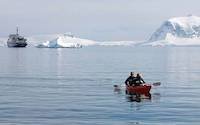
(117, 89)
(134, 123)
(138, 97)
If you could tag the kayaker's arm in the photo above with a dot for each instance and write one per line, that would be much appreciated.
(127, 81)
(142, 80)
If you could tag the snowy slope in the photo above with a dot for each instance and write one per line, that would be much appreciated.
(178, 31)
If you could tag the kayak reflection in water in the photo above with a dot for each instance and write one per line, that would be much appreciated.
(138, 97)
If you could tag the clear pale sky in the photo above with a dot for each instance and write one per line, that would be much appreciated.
(92, 19)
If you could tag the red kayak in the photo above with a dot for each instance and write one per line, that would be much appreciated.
(142, 89)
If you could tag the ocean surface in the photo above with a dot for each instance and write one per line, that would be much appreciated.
(75, 86)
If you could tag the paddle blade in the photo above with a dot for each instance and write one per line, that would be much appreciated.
(156, 84)
(117, 88)
(115, 85)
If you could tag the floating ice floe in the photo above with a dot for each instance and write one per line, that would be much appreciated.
(118, 43)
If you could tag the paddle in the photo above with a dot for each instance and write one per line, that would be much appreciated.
(156, 83)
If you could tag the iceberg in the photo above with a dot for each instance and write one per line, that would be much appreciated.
(66, 41)
(178, 31)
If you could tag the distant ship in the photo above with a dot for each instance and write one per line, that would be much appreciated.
(15, 40)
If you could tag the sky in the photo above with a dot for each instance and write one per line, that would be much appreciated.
(101, 20)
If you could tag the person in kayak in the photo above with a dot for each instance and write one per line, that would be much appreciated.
(131, 79)
(139, 80)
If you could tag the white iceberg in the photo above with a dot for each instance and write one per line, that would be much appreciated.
(66, 41)
(179, 31)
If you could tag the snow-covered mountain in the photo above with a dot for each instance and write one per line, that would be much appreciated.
(178, 31)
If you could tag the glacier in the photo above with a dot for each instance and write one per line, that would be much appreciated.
(178, 31)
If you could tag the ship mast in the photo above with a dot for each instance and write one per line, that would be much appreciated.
(17, 31)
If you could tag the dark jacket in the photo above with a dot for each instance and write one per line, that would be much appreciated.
(130, 80)
(139, 80)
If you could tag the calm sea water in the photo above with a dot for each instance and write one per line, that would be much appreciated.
(75, 86)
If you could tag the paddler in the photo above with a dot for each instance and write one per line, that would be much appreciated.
(131, 79)
(139, 80)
